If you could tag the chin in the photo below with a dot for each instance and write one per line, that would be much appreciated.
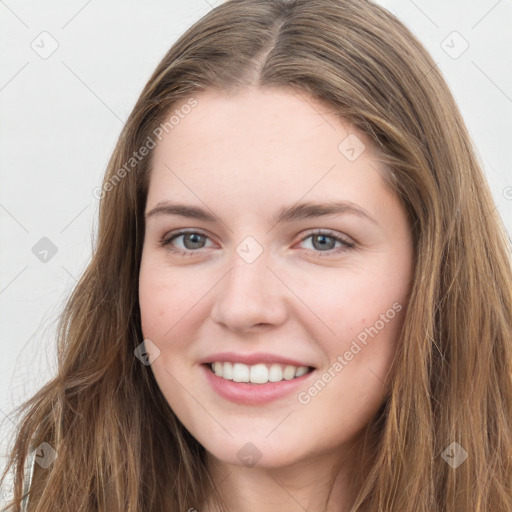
(257, 454)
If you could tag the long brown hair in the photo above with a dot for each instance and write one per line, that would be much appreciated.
(120, 447)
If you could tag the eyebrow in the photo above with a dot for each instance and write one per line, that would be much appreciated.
(295, 212)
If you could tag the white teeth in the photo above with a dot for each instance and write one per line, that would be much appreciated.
(258, 373)
(227, 371)
(276, 373)
(289, 372)
(240, 372)
(301, 371)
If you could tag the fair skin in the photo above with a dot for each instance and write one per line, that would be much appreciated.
(242, 157)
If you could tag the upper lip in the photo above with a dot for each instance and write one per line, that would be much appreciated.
(252, 359)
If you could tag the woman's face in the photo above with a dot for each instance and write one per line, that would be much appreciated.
(272, 247)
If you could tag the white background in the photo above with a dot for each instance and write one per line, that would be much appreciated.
(61, 116)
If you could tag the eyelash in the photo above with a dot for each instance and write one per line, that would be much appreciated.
(167, 240)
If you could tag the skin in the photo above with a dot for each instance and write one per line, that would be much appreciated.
(243, 157)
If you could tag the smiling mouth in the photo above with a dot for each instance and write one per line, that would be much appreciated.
(260, 373)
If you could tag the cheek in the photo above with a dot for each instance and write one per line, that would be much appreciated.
(167, 309)
(159, 305)
(351, 388)
(356, 299)
(174, 306)
(154, 302)
(165, 299)
(361, 320)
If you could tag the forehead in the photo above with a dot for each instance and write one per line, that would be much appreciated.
(267, 138)
(258, 118)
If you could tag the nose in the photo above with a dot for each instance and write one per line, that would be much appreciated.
(250, 297)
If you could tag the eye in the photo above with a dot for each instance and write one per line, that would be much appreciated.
(188, 242)
(327, 242)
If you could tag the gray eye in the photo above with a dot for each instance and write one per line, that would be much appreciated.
(323, 242)
(193, 240)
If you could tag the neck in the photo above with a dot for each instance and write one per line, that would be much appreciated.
(320, 484)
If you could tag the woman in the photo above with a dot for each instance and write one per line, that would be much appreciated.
(300, 295)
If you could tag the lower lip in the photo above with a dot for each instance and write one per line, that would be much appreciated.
(253, 394)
